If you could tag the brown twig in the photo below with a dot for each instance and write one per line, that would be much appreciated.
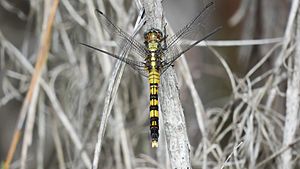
(42, 58)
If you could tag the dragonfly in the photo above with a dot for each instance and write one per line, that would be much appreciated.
(157, 54)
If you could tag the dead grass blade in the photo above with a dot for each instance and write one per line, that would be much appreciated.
(33, 88)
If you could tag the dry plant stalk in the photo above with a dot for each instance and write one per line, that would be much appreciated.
(40, 64)
(173, 118)
(256, 125)
(293, 89)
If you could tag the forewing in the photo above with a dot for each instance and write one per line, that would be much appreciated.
(198, 29)
(136, 65)
(176, 52)
(122, 39)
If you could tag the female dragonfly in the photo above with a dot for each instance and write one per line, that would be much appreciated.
(158, 53)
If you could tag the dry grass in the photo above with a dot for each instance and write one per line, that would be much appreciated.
(82, 109)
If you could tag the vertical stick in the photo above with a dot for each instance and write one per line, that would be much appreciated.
(292, 97)
(172, 112)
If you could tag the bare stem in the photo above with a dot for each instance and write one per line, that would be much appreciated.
(172, 112)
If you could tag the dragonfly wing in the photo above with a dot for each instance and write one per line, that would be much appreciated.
(123, 39)
(195, 28)
(136, 65)
(199, 29)
(175, 53)
(142, 71)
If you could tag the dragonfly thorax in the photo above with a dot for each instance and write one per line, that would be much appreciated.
(153, 39)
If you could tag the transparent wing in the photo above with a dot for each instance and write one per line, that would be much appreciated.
(199, 29)
(136, 65)
(176, 52)
(195, 28)
(123, 39)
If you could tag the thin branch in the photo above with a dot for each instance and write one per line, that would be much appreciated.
(230, 43)
(172, 112)
(279, 152)
(240, 13)
(292, 98)
(228, 70)
(286, 41)
(219, 43)
(58, 144)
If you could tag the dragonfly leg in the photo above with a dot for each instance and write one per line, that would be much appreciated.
(164, 39)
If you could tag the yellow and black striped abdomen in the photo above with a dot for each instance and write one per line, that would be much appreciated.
(154, 79)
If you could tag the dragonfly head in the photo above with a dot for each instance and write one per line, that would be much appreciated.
(153, 38)
(153, 34)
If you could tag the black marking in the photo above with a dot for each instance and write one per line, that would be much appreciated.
(164, 39)
(97, 10)
(143, 14)
(154, 84)
(154, 128)
(153, 96)
(153, 107)
(153, 119)
(154, 133)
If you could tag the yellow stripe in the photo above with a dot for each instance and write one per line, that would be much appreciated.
(154, 123)
(153, 102)
(153, 113)
(154, 77)
(154, 144)
(151, 81)
(153, 90)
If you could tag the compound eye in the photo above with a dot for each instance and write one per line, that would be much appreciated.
(147, 37)
(158, 36)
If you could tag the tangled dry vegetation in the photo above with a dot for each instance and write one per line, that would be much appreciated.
(74, 102)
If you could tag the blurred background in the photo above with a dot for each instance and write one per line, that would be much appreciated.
(244, 94)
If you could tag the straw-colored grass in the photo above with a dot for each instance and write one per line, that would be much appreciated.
(234, 105)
